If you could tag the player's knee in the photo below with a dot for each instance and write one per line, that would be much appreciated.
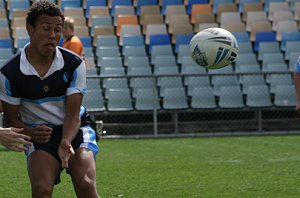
(41, 188)
(86, 184)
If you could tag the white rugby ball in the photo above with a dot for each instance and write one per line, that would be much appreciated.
(213, 48)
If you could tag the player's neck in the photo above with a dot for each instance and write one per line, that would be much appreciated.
(39, 62)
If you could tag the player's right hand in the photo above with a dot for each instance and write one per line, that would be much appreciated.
(41, 134)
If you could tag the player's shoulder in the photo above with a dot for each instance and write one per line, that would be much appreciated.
(12, 64)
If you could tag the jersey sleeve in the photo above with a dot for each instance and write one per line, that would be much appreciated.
(78, 83)
(5, 91)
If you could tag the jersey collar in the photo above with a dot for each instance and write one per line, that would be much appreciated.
(27, 69)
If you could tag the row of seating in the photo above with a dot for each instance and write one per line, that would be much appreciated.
(174, 98)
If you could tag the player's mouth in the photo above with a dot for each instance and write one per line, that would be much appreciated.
(50, 45)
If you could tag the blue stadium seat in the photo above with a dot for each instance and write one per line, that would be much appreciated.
(241, 36)
(70, 3)
(86, 41)
(263, 37)
(289, 36)
(5, 43)
(158, 39)
(133, 40)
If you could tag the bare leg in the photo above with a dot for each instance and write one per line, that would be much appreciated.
(82, 169)
(43, 170)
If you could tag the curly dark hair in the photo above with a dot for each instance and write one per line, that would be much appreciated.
(42, 7)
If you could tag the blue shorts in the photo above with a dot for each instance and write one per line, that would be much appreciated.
(85, 138)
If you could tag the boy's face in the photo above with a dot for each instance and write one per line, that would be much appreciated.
(46, 33)
(67, 31)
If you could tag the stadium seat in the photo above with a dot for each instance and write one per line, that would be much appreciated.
(279, 79)
(281, 16)
(285, 96)
(224, 6)
(241, 36)
(153, 29)
(259, 26)
(133, 40)
(96, 11)
(119, 100)
(182, 39)
(289, 36)
(115, 3)
(151, 19)
(107, 41)
(140, 3)
(129, 51)
(251, 7)
(203, 98)
(6, 43)
(175, 98)
(200, 8)
(267, 47)
(122, 10)
(128, 29)
(285, 26)
(229, 17)
(126, 19)
(291, 47)
(231, 97)
(158, 39)
(178, 10)
(166, 3)
(277, 6)
(182, 51)
(202, 18)
(93, 101)
(160, 50)
(220, 81)
(146, 99)
(241, 5)
(293, 57)
(258, 96)
(253, 17)
(193, 82)
(263, 37)
(245, 47)
(138, 61)
(251, 80)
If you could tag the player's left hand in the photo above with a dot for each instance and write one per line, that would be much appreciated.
(65, 151)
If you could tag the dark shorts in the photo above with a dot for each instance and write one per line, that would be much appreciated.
(85, 138)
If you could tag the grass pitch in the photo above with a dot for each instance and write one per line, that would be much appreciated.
(267, 166)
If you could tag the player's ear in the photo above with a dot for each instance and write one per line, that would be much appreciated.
(29, 29)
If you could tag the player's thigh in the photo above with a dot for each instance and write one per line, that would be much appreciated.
(42, 167)
(82, 164)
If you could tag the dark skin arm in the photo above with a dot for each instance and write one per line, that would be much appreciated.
(71, 126)
(40, 134)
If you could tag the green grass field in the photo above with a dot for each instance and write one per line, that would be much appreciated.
(267, 166)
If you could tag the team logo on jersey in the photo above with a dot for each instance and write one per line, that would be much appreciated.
(46, 88)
